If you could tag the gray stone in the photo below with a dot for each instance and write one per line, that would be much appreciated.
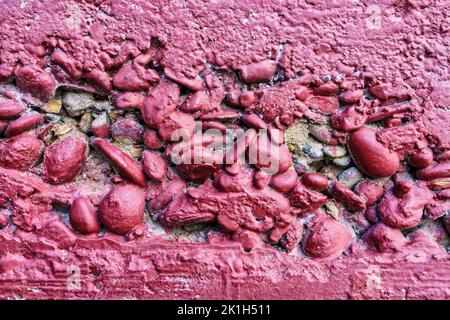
(343, 162)
(350, 177)
(77, 103)
(313, 150)
(332, 172)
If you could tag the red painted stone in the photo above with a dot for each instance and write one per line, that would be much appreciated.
(20, 152)
(371, 157)
(83, 216)
(316, 181)
(63, 160)
(126, 165)
(24, 123)
(122, 208)
(327, 239)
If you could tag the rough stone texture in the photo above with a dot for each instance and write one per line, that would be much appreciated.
(220, 272)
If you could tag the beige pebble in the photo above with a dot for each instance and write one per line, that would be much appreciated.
(334, 151)
(53, 106)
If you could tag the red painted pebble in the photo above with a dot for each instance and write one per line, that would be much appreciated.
(127, 166)
(122, 209)
(435, 171)
(370, 191)
(370, 156)
(24, 123)
(20, 152)
(83, 216)
(316, 181)
(258, 71)
(385, 239)
(284, 182)
(421, 159)
(328, 238)
(10, 109)
(154, 165)
(63, 160)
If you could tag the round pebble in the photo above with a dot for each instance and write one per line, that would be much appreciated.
(343, 162)
(370, 156)
(350, 177)
(122, 208)
(313, 150)
(316, 181)
(320, 132)
(334, 151)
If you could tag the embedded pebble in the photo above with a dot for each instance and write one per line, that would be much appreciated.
(254, 121)
(127, 131)
(258, 71)
(63, 160)
(421, 159)
(370, 190)
(313, 150)
(435, 171)
(343, 162)
(131, 149)
(300, 166)
(328, 238)
(405, 212)
(52, 106)
(327, 89)
(23, 124)
(77, 103)
(334, 151)
(350, 177)
(83, 216)
(100, 125)
(320, 132)
(122, 209)
(348, 119)
(284, 182)
(176, 124)
(332, 172)
(315, 181)
(154, 165)
(10, 109)
(85, 122)
(151, 140)
(302, 163)
(370, 156)
(352, 96)
(347, 197)
(332, 209)
(128, 167)
(385, 239)
(323, 105)
(62, 129)
(20, 152)
(32, 79)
